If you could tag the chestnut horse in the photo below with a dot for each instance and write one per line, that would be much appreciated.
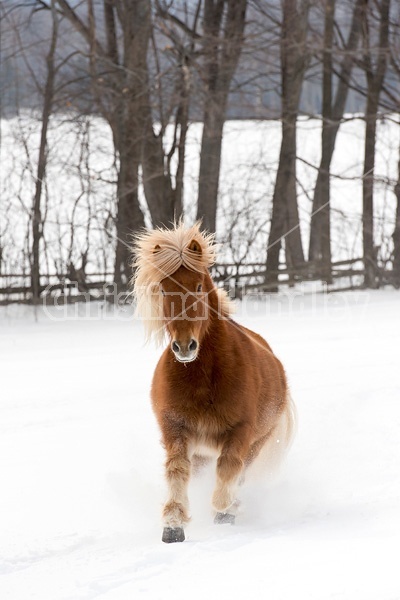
(218, 387)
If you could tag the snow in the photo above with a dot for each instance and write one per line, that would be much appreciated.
(81, 465)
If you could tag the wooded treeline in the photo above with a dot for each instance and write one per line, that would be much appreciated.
(150, 68)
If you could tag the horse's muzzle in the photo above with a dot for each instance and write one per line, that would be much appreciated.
(185, 352)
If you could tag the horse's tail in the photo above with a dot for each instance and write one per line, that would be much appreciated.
(278, 441)
(285, 430)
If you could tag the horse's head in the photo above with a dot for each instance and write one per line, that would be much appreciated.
(185, 308)
(173, 288)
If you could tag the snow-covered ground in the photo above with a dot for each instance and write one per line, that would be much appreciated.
(81, 464)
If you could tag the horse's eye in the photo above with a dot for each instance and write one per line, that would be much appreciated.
(199, 287)
(163, 293)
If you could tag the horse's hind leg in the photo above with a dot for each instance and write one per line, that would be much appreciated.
(223, 518)
(267, 452)
(230, 467)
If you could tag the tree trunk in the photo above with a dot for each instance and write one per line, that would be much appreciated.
(279, 222)
(375, 79)
(368, 193)
(324, 200)
(37, 224)
(127, 125)
(285, 217)
(287, 185)
(210, 163)
(182, 121)
(396, 232)
(157, 184)
(332, 114)
(223, 41)
(129, 215)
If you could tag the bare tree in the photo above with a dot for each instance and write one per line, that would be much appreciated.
(396, 232)
(120, 86)
(395, 64)
(285, 216)
(48, 97)
(332, 114)
(375, 63)
(223, 29)
(183, 38)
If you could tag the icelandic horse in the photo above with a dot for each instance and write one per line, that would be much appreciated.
(217, 387)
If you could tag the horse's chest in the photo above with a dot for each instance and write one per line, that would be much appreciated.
(203, 402)
(208, 418)
(205, 408)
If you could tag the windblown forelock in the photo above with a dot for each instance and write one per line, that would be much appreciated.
(159, 254)
(168, 260)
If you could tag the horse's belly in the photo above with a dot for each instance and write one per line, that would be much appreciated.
(208, 434)
(206, 440)
(206, 449)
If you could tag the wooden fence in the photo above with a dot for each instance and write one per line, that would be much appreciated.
(238, 279)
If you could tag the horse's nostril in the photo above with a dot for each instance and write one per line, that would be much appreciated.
(192, 345)
(175, 347)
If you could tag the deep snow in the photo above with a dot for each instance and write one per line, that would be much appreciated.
(81, 464)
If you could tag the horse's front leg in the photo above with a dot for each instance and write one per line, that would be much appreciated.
(230, 466)
(176, 509)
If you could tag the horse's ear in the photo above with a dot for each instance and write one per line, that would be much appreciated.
(156, 249)
(195, 247)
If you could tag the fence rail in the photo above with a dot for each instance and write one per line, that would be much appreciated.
(238, 279)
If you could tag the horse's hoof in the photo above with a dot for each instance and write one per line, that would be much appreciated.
(173, 534)
(223, 518)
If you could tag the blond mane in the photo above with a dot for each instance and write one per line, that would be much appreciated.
(158, 254)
